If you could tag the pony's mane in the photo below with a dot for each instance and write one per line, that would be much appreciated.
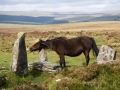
(58, 38)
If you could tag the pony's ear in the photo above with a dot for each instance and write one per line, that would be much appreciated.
(40, 40)
(42, 43)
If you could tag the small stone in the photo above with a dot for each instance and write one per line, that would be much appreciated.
(58, 80)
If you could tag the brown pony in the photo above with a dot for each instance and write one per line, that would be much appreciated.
(70, 47)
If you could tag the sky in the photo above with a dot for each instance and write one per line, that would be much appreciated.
(60, 5)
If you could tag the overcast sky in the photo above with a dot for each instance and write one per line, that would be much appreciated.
(60, 5)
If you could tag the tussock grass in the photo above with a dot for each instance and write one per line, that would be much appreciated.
(92, 77)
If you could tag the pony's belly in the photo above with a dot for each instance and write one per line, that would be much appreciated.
(73, 54)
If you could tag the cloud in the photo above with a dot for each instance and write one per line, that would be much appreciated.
(59, 5)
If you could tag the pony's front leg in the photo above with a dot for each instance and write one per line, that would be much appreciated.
(87, 60)
(62, 61)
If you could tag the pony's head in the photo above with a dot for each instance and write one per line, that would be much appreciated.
(37, 46)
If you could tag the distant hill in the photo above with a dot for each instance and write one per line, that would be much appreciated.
(56, 17)
(30, 20)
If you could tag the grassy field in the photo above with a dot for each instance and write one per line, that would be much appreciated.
(93, 77)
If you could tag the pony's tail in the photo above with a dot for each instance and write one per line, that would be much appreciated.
(94, 47)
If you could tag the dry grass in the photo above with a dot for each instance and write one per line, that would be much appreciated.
(104, 32)
(89, 26)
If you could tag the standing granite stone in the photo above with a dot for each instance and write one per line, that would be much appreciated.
(106, 54)
(19, 56)
(42, 57)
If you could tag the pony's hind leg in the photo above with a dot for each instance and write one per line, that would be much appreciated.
(86, 53)
(62, 61)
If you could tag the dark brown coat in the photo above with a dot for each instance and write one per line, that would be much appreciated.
(70, 47)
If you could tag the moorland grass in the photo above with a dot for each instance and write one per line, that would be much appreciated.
(93, 77)
(37, 79)
(76, 76)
